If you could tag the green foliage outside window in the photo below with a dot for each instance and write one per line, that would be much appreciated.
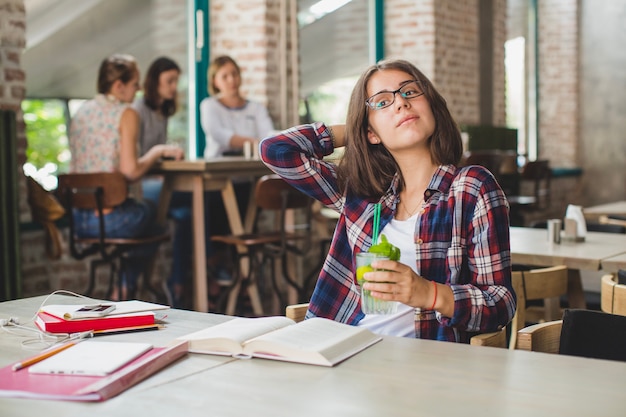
(47, 152)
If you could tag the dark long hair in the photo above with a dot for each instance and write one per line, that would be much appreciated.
(116, 67)
(151, 86)
(369, 169)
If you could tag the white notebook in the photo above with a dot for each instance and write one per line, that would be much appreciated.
(91, 358)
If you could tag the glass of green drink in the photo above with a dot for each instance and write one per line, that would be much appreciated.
(369, 304)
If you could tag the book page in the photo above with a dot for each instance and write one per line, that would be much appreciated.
(227, 338)
(91, 358)
(315, 341)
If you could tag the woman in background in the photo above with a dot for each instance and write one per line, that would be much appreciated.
(103, 138)
(228, 119)
(158, 103)
(155, 107)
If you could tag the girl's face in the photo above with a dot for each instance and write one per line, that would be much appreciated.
(168, 84)
(126, 92)
(227, 80)
(406, 123)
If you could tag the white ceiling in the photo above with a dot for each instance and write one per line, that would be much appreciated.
(67, 39)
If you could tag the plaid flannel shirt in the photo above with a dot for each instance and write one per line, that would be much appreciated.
(461, 238)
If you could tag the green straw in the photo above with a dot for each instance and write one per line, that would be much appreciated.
(376, 224)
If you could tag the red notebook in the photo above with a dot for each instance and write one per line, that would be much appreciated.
(24, 384)
(51, 324)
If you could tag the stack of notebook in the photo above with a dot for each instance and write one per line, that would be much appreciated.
(126, 315)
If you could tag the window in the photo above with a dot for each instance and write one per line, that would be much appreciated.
(47, 153)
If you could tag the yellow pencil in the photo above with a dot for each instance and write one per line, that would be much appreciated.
(127, 329)
(43, 355)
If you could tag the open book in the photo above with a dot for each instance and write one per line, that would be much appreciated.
(315, 341)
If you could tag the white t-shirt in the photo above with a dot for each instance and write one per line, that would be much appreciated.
(402, 323)
(220, 123)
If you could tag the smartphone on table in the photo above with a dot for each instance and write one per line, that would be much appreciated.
(92, 311)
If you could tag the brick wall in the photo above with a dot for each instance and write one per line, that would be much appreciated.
(499, 85)
(410, 33)
(252, 32)
(12, 78)
(457, 58)
(558, 45)
(442, 39)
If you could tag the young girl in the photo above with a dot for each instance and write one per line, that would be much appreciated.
(451, 224)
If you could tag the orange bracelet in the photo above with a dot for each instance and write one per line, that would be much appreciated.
(435, 300)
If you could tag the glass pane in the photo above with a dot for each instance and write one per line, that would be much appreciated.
(334, 50)
(47, 153)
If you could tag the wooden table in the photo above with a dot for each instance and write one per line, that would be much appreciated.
(196, 176)
(398, 376)
(531, 247)
(614, 263)
(593, 213)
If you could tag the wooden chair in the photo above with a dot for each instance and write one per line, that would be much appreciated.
(613, 296)
(541, 337)
(535, 284)
(586, 333)
(296, 312)
(99, 192)
(539, 174)
(275, 196)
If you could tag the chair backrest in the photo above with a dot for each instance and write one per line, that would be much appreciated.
(296, 312)
(94, 191)
(274, 193)
(586, 333)
(83, 190)
(540, 174)
(542, 337)
(605, 227)
(613, 296)
(593, 334)
(534, 284)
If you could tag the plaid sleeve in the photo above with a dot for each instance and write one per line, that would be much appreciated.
(296, 154)
(485, 301)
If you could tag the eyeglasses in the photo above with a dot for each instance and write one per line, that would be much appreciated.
(408, 91)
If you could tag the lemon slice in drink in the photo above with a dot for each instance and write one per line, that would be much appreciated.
(360, 271)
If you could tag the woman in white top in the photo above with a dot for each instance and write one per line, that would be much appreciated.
(229, 120)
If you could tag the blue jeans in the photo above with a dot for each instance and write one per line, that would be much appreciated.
(132, 218)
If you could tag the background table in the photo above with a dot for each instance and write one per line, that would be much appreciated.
(612, 264)
(398, 376)
(531, 247)
(197, 176)
(594, 212)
